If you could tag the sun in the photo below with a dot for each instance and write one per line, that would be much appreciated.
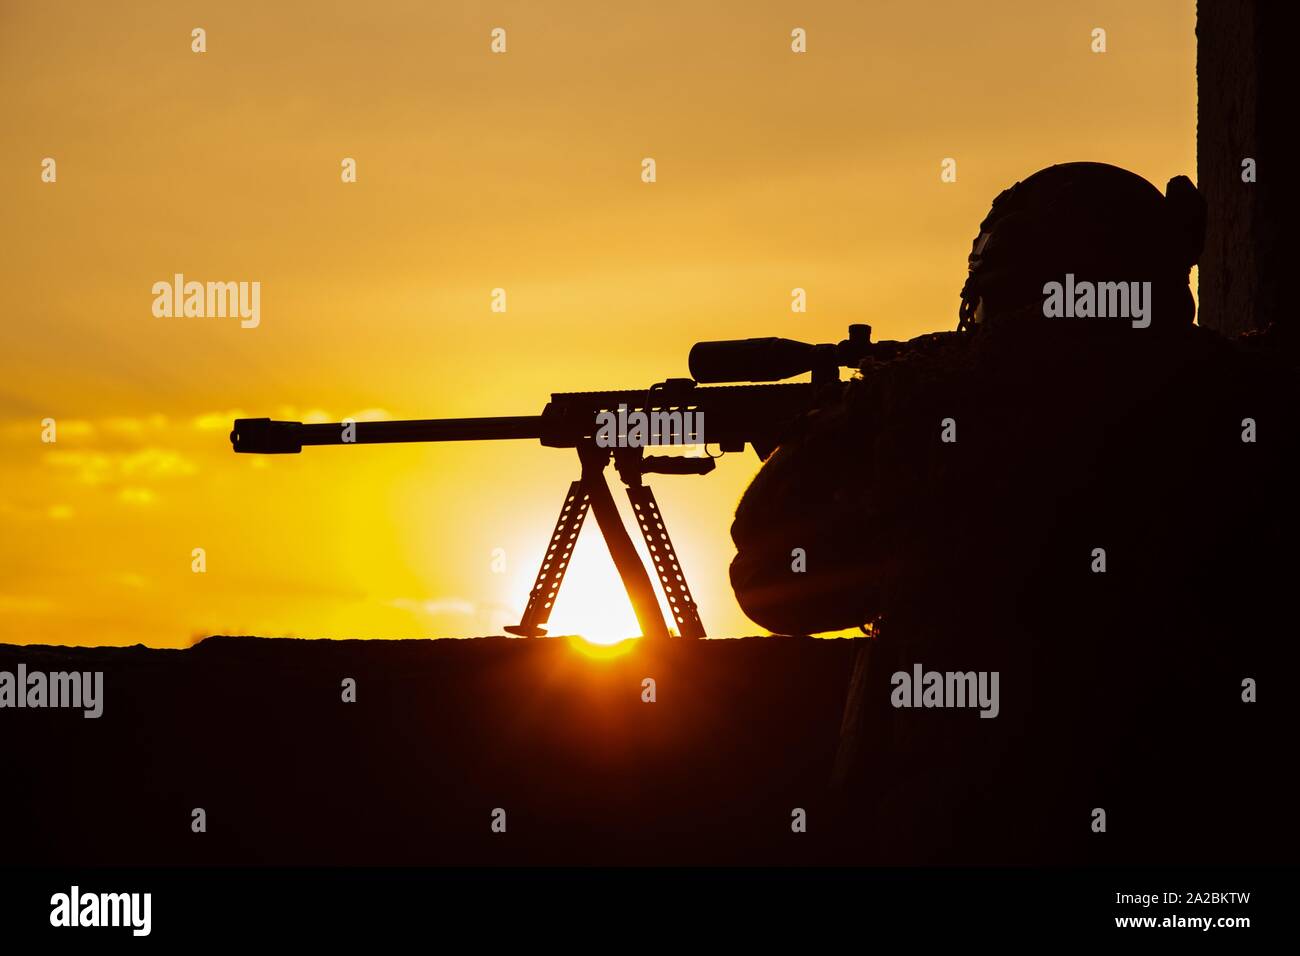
(592, 602)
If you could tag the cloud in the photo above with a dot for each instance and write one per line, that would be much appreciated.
(217, 421)
(317, 416)
(135, 426)
(29, 430)
(109, 467)
(121, 426)
(157, 463)
(438, 606)
(148, 427)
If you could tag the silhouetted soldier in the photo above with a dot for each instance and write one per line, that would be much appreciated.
(1042, 494)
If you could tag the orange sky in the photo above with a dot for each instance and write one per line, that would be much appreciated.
(475, 171)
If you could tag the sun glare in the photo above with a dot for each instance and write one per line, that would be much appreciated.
(592, 603)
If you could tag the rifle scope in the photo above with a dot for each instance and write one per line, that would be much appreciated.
(774, 359)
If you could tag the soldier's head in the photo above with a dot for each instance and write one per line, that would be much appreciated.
(1081, 225)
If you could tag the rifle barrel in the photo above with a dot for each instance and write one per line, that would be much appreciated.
(267, 437)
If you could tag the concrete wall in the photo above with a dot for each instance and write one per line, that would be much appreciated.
(1239, 115)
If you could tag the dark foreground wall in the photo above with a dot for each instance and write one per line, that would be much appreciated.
(1244, 111)
(742, 733)
(255, 732)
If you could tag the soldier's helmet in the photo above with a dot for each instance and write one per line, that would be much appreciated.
(1094, 221)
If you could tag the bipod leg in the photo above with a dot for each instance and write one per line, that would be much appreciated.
(635, 579)
(554, 563)
(671, 575)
